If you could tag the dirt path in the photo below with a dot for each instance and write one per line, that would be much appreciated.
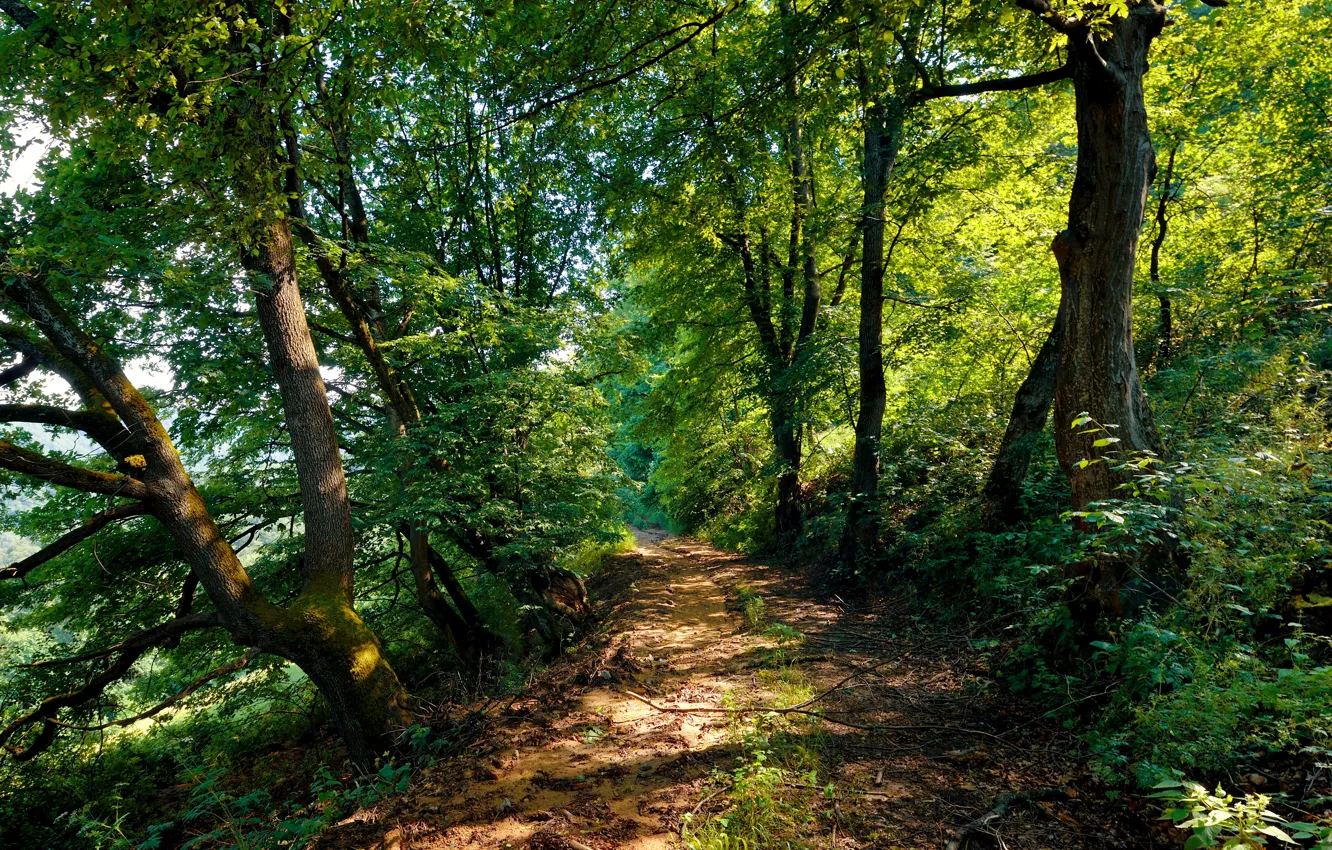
(580, 763)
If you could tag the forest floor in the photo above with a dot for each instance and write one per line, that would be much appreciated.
(578, 761)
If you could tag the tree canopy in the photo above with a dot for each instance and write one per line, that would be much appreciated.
(340, 338)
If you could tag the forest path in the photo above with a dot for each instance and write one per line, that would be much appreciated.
(577, 763)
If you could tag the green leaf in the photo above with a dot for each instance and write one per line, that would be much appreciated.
(1277, 833)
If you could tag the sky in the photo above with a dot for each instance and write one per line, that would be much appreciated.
(17, 173)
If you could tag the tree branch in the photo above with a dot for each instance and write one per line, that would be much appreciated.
(97, 367)
(215, 673)
(99, 424)
(149, 637)
(1027, 81)
(43, 353)
(62, 474)
(847, 262)
(131, 650)
(1052, 19)
(696, 28)
(19, 370)
(70, 539)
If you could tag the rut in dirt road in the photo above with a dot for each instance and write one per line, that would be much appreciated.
(908, 750)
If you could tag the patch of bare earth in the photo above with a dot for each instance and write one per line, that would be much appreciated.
(917, 750)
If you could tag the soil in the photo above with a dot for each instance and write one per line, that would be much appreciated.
(579, 762)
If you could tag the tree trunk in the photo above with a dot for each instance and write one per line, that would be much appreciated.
(784, 392)
(1165, 327)
(324, 636)
(1097, 370)
(787, 440)
(432, 602)
(1031, 409)
(1097, 373)
(321, 631)
(314, 440)
(556, 599)
(883, 124)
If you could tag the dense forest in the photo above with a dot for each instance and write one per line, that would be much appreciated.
(345, 343)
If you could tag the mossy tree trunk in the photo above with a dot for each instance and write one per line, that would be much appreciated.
(320, 631)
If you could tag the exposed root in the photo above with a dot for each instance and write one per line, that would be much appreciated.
(1002, 803)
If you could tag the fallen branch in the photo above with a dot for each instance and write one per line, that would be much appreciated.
(999, 808)
(857, 674)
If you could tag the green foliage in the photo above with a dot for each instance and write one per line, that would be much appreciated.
(753, 609)
(219, 817)
(589, 557)
(1220, 820)
(1219, 550)
(545, 235)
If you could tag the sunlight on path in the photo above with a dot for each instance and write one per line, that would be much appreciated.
(606, 760)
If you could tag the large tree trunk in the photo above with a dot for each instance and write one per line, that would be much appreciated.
(1031, 409)
(1098, 375)
(321, 632)
(314, 440)
(324, 636)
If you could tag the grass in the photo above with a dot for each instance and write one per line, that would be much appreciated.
(752, 608)
(772, 796)
(590, 556)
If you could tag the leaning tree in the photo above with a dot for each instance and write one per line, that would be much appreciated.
(192, 93)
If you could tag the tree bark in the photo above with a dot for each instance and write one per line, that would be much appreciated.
(324, 636)
(314, 440)
(1096, 253)
(1098, 373)
(883, 125)
(786, 439)
(1031, 408)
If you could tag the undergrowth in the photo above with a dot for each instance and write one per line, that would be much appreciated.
(218, 815)
(1217, 663)
(772, 796)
